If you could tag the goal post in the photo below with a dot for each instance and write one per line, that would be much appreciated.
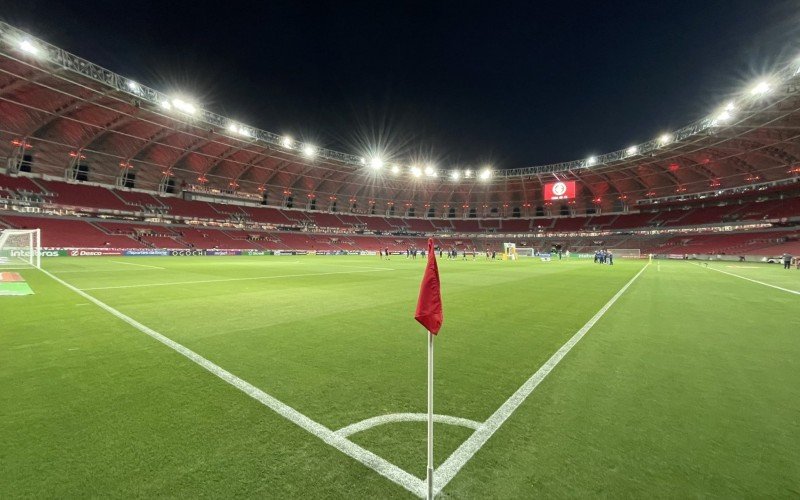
(628, 253)
(21, 247)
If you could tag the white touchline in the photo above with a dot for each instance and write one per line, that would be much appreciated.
(404, 417)
(223, 280)
(349, 448)
(134, 264)
(754, 281)
(468, 448)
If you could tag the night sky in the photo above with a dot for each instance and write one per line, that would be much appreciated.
(511, 84)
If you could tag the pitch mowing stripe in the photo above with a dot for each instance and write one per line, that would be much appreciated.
(224, 280)
(405, 417)
(754, 281)
(447, 471)
(349, 448)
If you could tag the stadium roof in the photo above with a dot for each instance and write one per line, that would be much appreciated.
(61, 109)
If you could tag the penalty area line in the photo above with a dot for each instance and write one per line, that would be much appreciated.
(448, 470)
(341, 443)
(139, 265)
(225, 280)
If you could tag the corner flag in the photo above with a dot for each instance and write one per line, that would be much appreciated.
(429, 315)
(429, 304)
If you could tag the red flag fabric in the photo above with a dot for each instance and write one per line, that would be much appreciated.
(429, 305)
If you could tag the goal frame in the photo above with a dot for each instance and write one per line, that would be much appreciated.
(32, 255)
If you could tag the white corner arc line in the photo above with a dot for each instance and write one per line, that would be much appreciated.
(754, 281)
(344, 445)
(405, 417)
(224, 280)
(134, 264)
(447, 470)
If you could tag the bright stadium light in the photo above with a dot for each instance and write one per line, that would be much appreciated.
(416, 172)
(730, 106)
(28, 47)
(631, 150)
(309, 150)
(287, 142)
(591, 160)
(468, 173)
(455, 175)
(395, 169)
(429, 171)
(184, 106)
(724, 116)
(134, 87)
(760, 88)
(486, 173)
(233, 128)
(376, 163)
(664, 139)
(166, 105)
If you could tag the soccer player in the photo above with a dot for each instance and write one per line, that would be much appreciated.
(787, 261)
(610, 258)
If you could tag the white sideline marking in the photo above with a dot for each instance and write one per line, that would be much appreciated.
(405, 417)
(468, 448)
(754, 281)
(146, 285)
(349, 448)
(140, 265)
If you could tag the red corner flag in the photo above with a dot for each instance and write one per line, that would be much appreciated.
(429, 305)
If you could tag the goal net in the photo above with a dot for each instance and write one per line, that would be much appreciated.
(20, 248)
(629, 253)
(524, 251)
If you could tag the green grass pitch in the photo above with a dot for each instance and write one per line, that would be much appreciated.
(688, 386)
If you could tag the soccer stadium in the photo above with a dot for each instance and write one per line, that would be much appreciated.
(191, 306)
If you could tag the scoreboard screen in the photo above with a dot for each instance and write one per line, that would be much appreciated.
(559, 191)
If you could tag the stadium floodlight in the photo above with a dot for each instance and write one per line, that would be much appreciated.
(725, 115)
(376, 163)
(486, 173)
(664, 139)
(28, 47)
(233, 128)
(185, 107)
(309, 150)
(631, 150)
(455, 175)
(730, 106)
(166, 105)
(416, 172)
(395, 169)
(591, 160)
(287, 142)
(363, 161)
(134, 87)
(429, 171)
(760, 88)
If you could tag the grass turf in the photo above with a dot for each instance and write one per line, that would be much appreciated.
(686, 387)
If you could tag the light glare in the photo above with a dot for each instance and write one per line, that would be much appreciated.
(395, 169)
(376, 163)
(485, 174)
(309, 150)
(30, 48)
(455, 175)
(416, 172)
(287, 142)
(631, 150)
(760, 88)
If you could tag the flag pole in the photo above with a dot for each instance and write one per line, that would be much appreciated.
(430, 416)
